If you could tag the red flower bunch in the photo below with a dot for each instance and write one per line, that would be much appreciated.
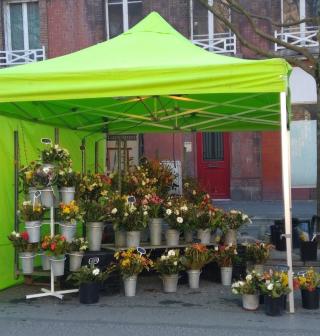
(155, 202)
(24, 235)
(56, 245)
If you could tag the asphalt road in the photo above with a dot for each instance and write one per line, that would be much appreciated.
(212, 310)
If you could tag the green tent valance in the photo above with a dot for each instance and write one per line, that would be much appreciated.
(149, 79)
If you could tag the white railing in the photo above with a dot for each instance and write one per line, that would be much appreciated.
(220, 43)
(16, 57)
(295, 36)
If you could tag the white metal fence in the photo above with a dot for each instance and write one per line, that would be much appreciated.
(16, 57)
(295, 36)
(221, 43)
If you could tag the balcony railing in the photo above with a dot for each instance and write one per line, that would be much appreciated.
(302, 38)
(221, 43)
(17, 57)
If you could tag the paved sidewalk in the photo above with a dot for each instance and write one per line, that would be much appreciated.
(270, 209)
(212, 310)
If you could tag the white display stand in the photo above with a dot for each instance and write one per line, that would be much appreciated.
(51, 291)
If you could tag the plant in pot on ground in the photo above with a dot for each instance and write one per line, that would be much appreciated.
(232, 222)
(274, 286)
(257, 254)
(25, 249)
(249, 289)
(76, 249)
(308, 282)
(177, 213)
(32, 215)
(131, 263)
(225, 256)
(90, 279)
(168, 266)
(55, 247)
(69, 215)
(195, 257)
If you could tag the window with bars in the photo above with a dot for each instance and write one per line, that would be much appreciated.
(122, 15)
(22, 25)
(212, 146)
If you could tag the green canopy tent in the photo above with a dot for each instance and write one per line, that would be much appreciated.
(152, 79)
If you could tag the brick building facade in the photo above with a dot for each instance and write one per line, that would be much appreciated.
(66, 26)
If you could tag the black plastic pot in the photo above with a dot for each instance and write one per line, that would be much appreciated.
(89, 292)
(273, 306)
(310, 300)
(308, 250)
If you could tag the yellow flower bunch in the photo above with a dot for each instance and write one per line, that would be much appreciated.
(70, 212)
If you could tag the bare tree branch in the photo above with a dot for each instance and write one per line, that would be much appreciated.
(260, 51)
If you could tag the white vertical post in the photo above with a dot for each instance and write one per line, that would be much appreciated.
(286, 186)
(125, 11)
(302, 11)
(191, 20)
(210, 27)
(51, 234)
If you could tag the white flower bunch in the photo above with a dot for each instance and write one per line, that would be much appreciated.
(96, 271)
(114, 211)
(16, 234)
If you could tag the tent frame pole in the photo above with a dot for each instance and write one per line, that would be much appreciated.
(286, 187)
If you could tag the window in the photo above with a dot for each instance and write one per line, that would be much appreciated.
(22, 27)
(122, 15)
(295, 10)
(212, 147)
(207, 31)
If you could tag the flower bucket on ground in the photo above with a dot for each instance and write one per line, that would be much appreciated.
(168, 266)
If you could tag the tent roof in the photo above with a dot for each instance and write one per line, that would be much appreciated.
(148, 79)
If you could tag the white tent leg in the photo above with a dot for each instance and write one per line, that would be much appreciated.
(286, 186)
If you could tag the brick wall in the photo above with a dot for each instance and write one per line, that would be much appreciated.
(174, 11)
(246, 166)
(74, 25)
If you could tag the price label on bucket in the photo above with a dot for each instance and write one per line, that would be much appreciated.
(93, 261)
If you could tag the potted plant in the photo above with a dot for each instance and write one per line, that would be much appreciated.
(26, 250)
(76, 250)
(67, 182)
(274, 286)
(154, 202)
(95, 214)
(26, 174)
(56, 248)
(195, 258)
(69, 215)
(32, 216)
(54, 155)
(89, 279)
(206, 218)
(308, 248)
(169, 265)
(249, 289)
(118, 208)
(43, 180)
(94, 186)
(135, 219)
(258, 253)
(176, 214)
(308, 282)
(233, 221)
(131, 263)
(225, 256)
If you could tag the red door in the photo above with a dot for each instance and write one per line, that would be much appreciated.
(213, 160)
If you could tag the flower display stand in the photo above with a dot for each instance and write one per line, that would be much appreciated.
(51, 292)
